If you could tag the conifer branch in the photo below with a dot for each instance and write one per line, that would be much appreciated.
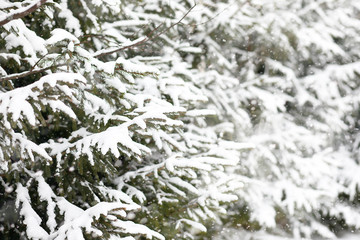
(27, 73)
(149, 37)
(21, 12)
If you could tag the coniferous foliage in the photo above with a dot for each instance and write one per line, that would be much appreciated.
(168, 119)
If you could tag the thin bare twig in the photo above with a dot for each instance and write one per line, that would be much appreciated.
(42, 57)
(19, 14)
(174, 24)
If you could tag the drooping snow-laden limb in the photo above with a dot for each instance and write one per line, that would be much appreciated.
(17, 102)
(22, 12)
(76, 220)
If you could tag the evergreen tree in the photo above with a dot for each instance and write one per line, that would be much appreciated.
(286, 78)
(102, 127)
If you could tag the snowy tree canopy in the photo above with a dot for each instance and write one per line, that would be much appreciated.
(174, 119)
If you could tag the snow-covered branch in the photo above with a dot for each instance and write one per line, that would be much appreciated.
(21, 12)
